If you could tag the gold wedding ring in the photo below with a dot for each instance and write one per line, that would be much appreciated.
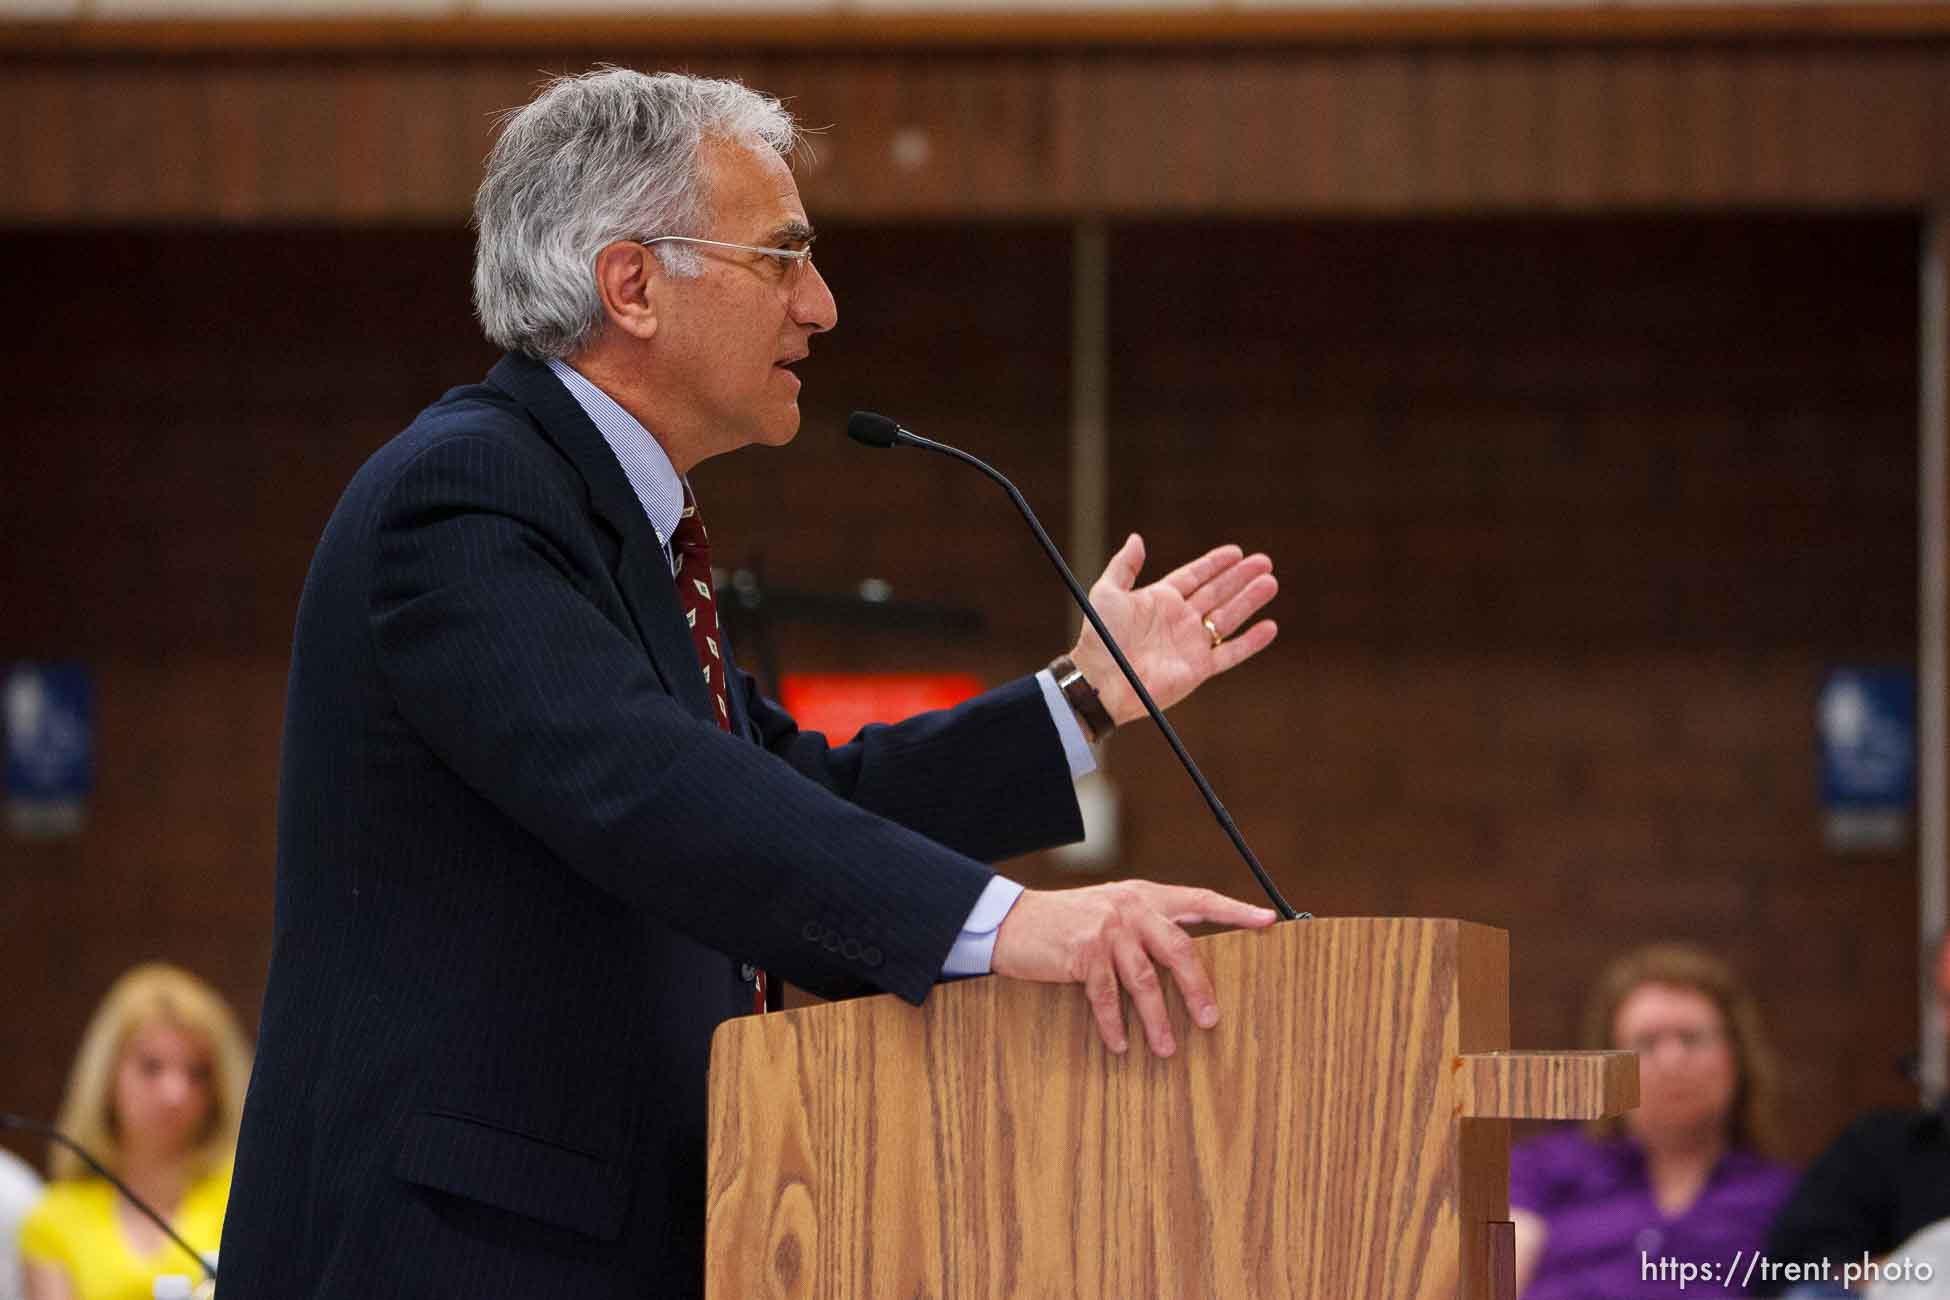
(1213, 628)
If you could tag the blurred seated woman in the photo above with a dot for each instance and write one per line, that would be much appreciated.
(155, 1095)
(1684, 1177)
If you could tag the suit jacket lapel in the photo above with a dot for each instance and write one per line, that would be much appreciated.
(642, 572)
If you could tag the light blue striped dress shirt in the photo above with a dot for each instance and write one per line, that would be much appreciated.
(657, 485)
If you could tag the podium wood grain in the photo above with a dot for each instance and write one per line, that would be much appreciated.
(1314, 1144)
(1549, 1085)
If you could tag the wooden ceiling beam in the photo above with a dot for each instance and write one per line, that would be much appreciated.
(1564, 24)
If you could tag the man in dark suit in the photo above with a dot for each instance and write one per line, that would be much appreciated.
(538, 835)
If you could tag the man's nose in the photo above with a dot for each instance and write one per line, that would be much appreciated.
(813, 304)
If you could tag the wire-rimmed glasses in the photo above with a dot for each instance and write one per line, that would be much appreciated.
(789, 259)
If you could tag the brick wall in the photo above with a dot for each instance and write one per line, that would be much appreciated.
(1573, 517)
(1570, 517)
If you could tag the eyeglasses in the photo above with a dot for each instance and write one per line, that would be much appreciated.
(1690, 1041)
(789, 259)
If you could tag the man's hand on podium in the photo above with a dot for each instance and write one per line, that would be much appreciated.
(1107, 937)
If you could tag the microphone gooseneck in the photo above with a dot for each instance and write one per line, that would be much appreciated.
(875, 430)
(25, 1125)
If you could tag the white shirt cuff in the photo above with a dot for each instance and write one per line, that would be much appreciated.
(974, 950)
(1083, 761)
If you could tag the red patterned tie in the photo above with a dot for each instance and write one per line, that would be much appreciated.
(693, 550)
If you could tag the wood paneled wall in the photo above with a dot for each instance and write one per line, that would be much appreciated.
(1571, 515)
(190, 406)
(363, 136)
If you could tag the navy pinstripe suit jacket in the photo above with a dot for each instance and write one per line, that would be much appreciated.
(519, 865)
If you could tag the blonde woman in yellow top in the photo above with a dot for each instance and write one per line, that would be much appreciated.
(155, 1095)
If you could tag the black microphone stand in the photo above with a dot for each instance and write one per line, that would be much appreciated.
(25, 1125)
(878, 431)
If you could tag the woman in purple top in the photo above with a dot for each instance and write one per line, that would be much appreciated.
(1673, 1198)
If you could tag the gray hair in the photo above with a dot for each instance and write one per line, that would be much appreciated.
(611, 154)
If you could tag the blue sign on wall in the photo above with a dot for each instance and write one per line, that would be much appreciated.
(50, 729)
(1867, 725)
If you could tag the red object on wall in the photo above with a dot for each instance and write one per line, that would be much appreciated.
(839, 704)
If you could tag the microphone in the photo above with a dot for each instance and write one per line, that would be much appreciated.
(872, 429)
(25, 1125)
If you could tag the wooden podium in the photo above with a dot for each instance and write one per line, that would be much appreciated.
(1342, 1134)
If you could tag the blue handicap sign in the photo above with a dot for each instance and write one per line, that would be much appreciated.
(50, 729)
(1868, 738)
(1867, 728)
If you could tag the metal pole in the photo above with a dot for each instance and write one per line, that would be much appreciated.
(1934, 339)
(1089, 401)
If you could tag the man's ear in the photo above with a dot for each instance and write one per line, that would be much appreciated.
(629, 279)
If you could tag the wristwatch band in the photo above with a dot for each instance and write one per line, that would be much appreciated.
(1082, 697)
